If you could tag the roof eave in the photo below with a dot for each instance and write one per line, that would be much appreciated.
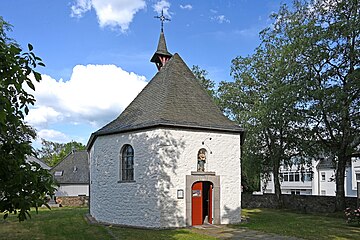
(137, 128)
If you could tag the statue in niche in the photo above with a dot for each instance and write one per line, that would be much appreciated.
(201, 160)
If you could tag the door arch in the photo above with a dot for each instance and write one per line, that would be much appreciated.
(201, 177)
(202, 203)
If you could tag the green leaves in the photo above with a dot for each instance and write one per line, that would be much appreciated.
(22, 185)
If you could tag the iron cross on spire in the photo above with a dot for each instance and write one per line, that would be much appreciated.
(162, 19)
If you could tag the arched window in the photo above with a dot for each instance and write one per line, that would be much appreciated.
(127, 163)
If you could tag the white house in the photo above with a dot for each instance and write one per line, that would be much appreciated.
(72, 174)
(318, 179)
(171, 159)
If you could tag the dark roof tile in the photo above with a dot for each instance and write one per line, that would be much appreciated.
(174, 97)
(75, 168)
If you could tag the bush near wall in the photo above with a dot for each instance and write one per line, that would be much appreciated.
(303, 203)
(73, 201)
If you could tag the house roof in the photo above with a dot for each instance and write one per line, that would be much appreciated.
(74, 169)
(41, 163)
(174, 97)
(325, 163)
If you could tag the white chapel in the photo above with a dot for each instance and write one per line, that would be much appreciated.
(170, 159)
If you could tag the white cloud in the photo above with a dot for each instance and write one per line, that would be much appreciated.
(162, 5)
(220, 19)
(111, 13)
(94, 95)
(80, 7)
(187, 6)
(52, 135)
(42, 116)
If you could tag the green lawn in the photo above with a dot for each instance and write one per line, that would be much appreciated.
(307, 226)
(69, 223)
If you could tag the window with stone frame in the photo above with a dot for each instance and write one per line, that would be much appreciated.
(127, 163)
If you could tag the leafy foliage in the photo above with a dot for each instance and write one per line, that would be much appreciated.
(201, 76)
(52, 152)
(323, 40)
(22, 185)
(298, 95)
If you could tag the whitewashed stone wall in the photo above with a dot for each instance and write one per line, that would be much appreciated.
(73, 190)
(162, 159)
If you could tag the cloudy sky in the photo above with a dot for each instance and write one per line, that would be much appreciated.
(97, 52)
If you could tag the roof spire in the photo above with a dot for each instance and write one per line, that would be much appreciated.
(161, 56)
(162, 19)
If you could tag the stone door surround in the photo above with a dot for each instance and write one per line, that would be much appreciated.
(201, 177)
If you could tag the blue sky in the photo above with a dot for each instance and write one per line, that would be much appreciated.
(97, 52)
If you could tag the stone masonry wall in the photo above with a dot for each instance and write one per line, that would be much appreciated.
(303, 203)
(73, 201)
(162, 159)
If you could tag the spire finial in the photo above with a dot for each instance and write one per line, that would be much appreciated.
(162, 19)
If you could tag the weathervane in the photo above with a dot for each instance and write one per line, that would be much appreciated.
(162, 19)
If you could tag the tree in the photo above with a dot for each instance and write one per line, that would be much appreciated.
(307, 73)
(324, 38)
(201, 76)
(22, 185)
(53, 152)
(263, 99)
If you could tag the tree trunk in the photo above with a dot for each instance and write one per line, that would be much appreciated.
(277, 187)
(340, 187)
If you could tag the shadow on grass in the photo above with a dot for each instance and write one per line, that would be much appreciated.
(307, 226)
(69, 223)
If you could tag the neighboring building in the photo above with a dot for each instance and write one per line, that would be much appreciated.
(319, 179)
(72, 174)
(41, 163)
(171, 159)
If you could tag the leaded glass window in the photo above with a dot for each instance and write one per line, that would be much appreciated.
(127, 163)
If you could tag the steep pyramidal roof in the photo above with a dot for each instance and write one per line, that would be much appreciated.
(173, 97)
(161, 49)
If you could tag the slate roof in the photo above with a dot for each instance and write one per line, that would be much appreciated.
(75, 169)
(325, 163)
(41, 163)
(174, 98)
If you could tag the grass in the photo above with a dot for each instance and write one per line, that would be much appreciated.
(306, 226)
(69, 223)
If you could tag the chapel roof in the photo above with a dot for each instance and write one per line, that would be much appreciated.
(74, 169)
(173, 97)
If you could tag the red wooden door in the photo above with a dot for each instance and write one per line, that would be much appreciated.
(210, 204)
(197, 204)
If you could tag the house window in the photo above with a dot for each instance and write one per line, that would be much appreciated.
(58, 173)
(291, 177)
(286, 177)
(295, 191)
(323, 176)
(357, 176)
(297, 177)
(127, 163)
(307, 177)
